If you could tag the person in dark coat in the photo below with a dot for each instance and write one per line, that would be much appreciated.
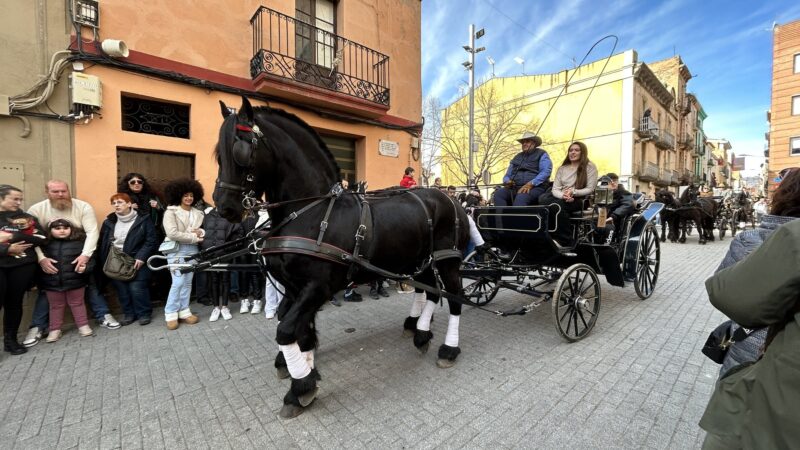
(218, 284)
(622, 207)
(66, 287)
(143, 198)
(528, 174)
(18, 265)
(136, 236)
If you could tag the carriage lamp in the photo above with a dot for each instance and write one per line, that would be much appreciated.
(603, 194)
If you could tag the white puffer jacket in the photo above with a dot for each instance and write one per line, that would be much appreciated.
(180, 224)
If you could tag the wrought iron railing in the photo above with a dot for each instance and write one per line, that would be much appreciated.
(665, 176)
(665, 139)
(648, 127)
(675, 178)
(647, 171)
(686, 139)
(688, 175)
(295, 50)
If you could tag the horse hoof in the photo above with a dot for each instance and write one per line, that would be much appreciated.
(408, 333)
(424, 348)
(290, 411)
(282, 373)
(307, 398)
(445, 363)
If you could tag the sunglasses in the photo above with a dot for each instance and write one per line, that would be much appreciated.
(135, 182)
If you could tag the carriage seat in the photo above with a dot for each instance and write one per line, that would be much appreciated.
(638, 199)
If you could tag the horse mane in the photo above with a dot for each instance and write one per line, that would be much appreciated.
(302, 124)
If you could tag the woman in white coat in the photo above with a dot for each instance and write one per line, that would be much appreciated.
(182, 224)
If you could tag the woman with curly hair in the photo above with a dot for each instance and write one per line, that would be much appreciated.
(182, 224)
(143, 198)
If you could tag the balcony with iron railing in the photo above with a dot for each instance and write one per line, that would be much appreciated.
(686, 140)
(647, 171)
(648, 128)
(289, 53)
(688, 176)
(675, 177)
(664, 177)
(665, 140)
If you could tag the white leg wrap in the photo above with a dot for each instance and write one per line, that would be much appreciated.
(424, 322)
(474, 234)
(418, 304)
(309, 358)
(295, 360)
(452, 331)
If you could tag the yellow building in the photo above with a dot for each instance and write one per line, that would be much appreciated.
(629, 123)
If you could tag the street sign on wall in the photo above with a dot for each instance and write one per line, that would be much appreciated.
(389, 148)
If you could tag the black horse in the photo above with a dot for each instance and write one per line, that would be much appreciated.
(708, 208)
(316, 227)
(678, 215)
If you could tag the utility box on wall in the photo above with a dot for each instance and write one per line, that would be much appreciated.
(86, 93)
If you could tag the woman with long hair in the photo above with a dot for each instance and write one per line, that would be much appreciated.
(143, 198)
(19, 233)
(182, 224)
(575, 179)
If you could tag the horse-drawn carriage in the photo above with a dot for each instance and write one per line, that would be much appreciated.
(535, 264)
(323, 237)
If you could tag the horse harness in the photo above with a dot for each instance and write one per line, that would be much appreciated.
(357, 259)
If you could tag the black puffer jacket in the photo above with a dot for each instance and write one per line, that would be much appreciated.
(66, 279)
(141, 241)
(218, 230)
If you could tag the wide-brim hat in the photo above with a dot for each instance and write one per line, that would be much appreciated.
(528, 136)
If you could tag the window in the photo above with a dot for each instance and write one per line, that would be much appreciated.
(794, 146)
(315, 43)
(797, 63)
(796, 105)
(154, 117)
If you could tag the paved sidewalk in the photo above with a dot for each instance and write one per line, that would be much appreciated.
(638, 381)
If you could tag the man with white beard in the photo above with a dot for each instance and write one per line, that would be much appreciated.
(61, 205)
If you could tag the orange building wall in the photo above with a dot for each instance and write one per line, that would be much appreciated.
(785, 84)
(217, 36)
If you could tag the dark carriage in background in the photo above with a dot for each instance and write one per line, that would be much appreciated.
(534, 264)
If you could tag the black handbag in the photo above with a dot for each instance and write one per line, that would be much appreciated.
(119, 265)
(718, 342)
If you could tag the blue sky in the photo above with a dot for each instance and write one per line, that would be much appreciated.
(727, 46)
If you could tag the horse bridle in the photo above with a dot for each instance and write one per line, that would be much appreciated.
(243, 154)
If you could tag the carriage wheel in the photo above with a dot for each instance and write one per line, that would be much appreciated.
(576, 302)
(482, 290)
(648, 263)
(734, 223)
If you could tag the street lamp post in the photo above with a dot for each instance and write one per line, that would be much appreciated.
(470, 65)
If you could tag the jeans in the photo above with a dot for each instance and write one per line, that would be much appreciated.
(181, 289)
(97, 302)
(503, 197)
(134, 295)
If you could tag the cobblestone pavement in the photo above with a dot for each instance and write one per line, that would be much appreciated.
(637, 381)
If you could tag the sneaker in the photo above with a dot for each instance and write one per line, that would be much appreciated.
(109, 322)
(382, 291)
(85, 331)
(33, 337)
(256, 307)
(269, 314)
(353, 297)
(53, 336)
(226, 313)
(214, 315)
(126, 320)
(245, 308)
(336, 302)
(374, 293)
(145, 320)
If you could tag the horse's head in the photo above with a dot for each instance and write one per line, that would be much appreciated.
(236, 188)
(666, 197)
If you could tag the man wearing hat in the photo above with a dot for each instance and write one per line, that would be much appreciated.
(527, 175)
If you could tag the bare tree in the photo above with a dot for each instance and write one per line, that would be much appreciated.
(431, 138)
(498, 125)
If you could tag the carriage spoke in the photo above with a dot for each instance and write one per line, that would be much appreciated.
(585, 325)
(575, 321)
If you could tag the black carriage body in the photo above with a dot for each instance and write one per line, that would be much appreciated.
(525, 230)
